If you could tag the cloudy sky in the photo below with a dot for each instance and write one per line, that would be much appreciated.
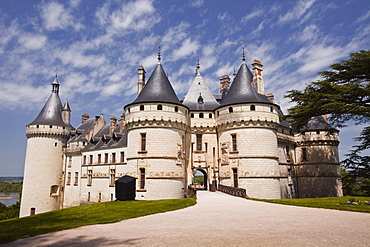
(96, 47)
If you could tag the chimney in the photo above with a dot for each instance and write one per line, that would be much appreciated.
(85, 116)
(141, 79)
(258, 82)
(122, 122)
(113, 124)
(224, 83)
(271, 97)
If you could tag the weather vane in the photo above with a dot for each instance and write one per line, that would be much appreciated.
(159, 51)
(243, 56)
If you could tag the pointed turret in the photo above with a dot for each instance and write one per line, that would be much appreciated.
(66, 113)
(242, 91)
(199, 96)
(51, 113)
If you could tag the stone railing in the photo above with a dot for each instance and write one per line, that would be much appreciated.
(192, 193)
(233, 191)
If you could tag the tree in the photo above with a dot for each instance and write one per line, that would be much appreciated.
(344, 95)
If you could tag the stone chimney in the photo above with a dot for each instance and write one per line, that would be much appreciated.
(258, 82)
(122, 122)
(141, 79)
(85, 117)
(224, 83)
(271, 97)
(113, 124)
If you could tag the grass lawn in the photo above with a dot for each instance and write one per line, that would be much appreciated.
(338, 203)
(98, 213)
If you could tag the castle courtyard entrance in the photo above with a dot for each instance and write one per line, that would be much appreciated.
(200, 179)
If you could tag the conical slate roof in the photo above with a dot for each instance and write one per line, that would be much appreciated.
(242, 91)
(157, 89)
(66, 107)
(51, 112)
(317, 123)
(199, 96)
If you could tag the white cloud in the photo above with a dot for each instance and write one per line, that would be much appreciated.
(252, 15)
(136, 16)
(223, 17)
(32, 42)
(188, 47)
(297, 12)
(197, 3)
(56, 16)
(363, 17)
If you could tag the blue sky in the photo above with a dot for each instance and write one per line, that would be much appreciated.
(97, 46)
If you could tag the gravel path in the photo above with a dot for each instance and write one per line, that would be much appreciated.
(222, 220)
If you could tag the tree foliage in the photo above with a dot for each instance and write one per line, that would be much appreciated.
(344, 95)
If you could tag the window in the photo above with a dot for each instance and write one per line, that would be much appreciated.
(210, 115)
(199, 142)
(51, 126)
(253, 107)
(99, 197)
(192, 115)
(68, 178)
(287, 153)
(271, 109)
(142, 178)
(143, 142)
(91, 159)
(142, 108)
(113, 157)
(112, 177)
(159, 107)
(235, 176)
(105, 158)
(89, 177)
(33, 211)
(234, 142)
(176, 109)
(318, 132)
(55, 144)
(69, 161)
(201, 115)
(54, 190)
(84, 160)
(231, 109)
(122, 159)
(88, 196)
(99, 158)
(304, 154)
(76, 179)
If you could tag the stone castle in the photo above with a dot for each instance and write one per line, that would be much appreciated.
(235, 138)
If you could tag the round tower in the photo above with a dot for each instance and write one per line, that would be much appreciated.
(318, 167)
(156, 123)
(46, 137)
(247, 131)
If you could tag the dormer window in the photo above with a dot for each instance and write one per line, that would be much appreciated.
(142, 108)
(253, 107)
(231, 109)
(201, 115)
(176, 109)
(200, 99)
(159, 107)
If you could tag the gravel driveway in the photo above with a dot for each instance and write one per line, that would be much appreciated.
(222, 220)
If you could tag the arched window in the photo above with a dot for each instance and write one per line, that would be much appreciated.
(253, 107)
(271, 109)
(210, 115)
(159, 107)
(218, 113)
(201, 115)
(231, 109)
(192, 115)
(176, 109)
(142, 108)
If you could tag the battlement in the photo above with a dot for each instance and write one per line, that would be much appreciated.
(47, 131)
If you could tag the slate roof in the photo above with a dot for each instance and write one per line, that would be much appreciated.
(51, 112)
(81, 130)
(317, 123)
(242, 91)
(157, 89)
(199, 96)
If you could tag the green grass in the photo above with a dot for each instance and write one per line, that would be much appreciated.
(338, 203)
(99, 213)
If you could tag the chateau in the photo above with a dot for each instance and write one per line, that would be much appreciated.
(235, 138)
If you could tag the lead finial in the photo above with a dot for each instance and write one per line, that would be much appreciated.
(159, 52)
(197, 68)
(243, 55)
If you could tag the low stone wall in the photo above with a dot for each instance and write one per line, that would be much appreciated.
(192, 193)
(233, 191)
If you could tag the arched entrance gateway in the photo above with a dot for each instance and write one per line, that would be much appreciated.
(200, 179)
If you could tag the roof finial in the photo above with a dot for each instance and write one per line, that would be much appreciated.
(55, 85)
(243, 56)
(234, 73)
(159, 52)
(197, 68)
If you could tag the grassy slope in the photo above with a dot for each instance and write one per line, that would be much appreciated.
(99, 213)
(338, 203)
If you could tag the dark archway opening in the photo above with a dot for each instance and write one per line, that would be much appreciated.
(200, 180)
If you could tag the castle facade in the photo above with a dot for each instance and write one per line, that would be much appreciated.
(235, 138)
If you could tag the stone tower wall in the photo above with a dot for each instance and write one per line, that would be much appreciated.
(163, 158)
(256, 157)
(43, 169)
